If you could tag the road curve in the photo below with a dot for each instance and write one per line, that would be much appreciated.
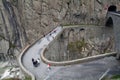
(41, 72)
(87, 71)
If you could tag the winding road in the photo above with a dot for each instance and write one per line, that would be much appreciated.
(86, 71)
(41, 72)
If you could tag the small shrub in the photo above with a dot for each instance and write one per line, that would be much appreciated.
(115, 77)
(28, 78)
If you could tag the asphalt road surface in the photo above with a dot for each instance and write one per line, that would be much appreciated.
(86, 71)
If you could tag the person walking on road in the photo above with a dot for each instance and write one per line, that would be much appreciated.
(33, 61)
(48, 66)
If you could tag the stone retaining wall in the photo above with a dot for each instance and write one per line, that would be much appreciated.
(63, 63)
(57, 49)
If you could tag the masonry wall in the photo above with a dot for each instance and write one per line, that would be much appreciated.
(116, 25)
(57, 50)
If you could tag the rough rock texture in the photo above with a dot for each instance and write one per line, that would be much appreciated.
(24, 21)
(12, 33)
(41, 16)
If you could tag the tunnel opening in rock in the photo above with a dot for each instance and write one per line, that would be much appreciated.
(109, 22)
(112, 8)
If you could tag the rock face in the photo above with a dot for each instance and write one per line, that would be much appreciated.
(12, 33)
(24, 21)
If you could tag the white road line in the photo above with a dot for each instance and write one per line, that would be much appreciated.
(104, 74)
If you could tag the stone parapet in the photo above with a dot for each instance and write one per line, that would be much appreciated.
(76, 61)
(21, 65)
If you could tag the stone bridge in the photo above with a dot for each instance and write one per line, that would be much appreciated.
(113, 20)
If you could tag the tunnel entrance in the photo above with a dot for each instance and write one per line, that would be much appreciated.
(109, 22)
(112, 8)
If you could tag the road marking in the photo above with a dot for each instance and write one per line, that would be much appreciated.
(104, 74)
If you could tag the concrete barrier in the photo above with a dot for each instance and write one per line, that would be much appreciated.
(21, 65)
(76, 61)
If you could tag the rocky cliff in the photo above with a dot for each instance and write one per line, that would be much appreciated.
(12, 32)
(24, 21)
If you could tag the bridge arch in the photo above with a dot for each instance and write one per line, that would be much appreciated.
(112, 8)
(71, 35)
(114, 18)
(109, 22)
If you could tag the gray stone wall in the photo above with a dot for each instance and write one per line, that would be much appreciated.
(95, 36)
(116, 25)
